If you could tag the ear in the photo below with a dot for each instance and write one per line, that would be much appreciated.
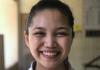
(26, 39)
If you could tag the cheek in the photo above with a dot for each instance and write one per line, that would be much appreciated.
(33, 44)
(33, 41)
(65, 43)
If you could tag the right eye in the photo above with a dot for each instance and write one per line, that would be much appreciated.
(39, 34)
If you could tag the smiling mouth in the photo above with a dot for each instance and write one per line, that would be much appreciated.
(50, 54)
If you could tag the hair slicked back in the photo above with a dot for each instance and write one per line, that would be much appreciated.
(50, 4)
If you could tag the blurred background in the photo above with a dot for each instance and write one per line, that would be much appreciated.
(85, 51)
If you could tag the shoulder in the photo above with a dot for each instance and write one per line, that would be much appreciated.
(70, 67)
(32, 66)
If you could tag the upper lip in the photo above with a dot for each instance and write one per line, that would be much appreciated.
(49, 50)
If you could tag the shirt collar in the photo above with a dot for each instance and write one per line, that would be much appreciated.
(33, 64)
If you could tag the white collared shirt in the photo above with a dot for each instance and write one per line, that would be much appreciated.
(33, 64)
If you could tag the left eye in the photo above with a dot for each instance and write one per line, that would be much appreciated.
(39, 34)
(62, 34)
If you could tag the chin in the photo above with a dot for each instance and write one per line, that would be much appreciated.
(51, 64)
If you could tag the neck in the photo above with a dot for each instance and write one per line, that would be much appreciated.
(59, 67)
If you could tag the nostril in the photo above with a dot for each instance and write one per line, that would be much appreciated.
(49, 41)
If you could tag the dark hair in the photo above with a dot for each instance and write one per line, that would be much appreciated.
(51, 4)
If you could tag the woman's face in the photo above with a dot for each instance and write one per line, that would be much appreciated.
(49, 38)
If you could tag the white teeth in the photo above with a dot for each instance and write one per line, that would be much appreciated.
(50, 53)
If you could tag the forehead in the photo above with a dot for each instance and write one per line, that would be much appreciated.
(49, 17)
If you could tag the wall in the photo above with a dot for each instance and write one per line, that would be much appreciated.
(25, 5)
(1, 53)
(9, 28)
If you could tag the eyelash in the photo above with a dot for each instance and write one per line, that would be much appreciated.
(62, 34)
(39, 34)
(58, 34)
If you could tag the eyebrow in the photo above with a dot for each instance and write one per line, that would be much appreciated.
(66, 28)
(58, 28)
(40, 28)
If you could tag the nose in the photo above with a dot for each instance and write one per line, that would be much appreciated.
(50, 41)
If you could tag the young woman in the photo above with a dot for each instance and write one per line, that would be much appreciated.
(49, 35)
